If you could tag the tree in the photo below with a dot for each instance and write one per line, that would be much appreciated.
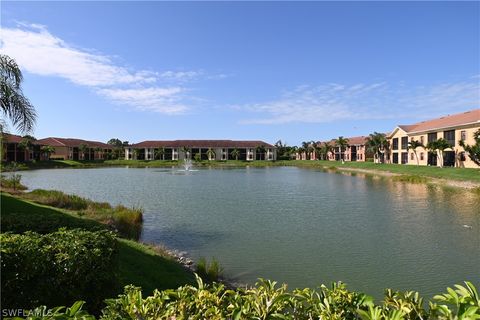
(413, 145)
(47, 151)
(83, 148)
(437, 148)
(98, 150)
(235, 153)
(261, 151)
(442, 145)
(14, 104)
(377, 143)
(307, 149)
(186, 151)
(473, 150)
(210, 154)
(117, 146)
(27, 144)
(159, 153)
(342, 143)
(197, 157)
(300, 151)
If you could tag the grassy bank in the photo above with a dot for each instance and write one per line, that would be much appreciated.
(456, 174)
(138, 264)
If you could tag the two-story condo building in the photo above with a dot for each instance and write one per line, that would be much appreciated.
(205, 149)
(452, 128)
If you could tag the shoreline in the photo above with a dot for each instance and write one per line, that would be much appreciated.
(469, 181)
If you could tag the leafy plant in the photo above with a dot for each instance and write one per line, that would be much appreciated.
(57, 268)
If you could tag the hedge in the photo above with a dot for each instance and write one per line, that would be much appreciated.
(57, 268)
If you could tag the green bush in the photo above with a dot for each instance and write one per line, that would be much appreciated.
(57, 268)
(268, 301)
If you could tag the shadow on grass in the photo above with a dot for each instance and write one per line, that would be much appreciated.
(19, 216)
(142, 266)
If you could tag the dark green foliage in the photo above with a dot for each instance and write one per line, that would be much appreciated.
(57, 268)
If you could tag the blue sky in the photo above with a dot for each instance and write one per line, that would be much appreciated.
(294, 71)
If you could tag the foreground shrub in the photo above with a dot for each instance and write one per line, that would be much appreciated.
(57, 268)
(126, 221)
(267, 301)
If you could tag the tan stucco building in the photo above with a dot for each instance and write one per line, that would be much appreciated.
(452, 128)
(76, 149)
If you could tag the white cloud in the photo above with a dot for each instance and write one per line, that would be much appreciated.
(181, 76)
(362, 101)
(38, 51)
(163, 100)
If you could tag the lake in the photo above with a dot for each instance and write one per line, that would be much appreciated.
(300, 226)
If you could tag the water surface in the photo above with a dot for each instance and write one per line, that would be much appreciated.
(300, 226)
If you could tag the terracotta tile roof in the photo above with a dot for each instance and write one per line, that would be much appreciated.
(12, 138)
(69, 142)
(357, 140)
(472, 116)
(200, 144)
(351, 141)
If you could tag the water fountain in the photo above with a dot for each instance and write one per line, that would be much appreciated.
(187, 162)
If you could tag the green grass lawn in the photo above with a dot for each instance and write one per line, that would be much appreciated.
(138, 264)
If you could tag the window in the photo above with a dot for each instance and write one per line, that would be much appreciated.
(432, 137)
(404, 157)
(395, 157)
(412, 156)
(404, 143)
(395, 144)
(463, 135)
(422, 140)
(461, 156)
(421, 156)
(450, 137)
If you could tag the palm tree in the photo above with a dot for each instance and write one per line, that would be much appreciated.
(235, 153)
(413, 145)
(186, 152)
(307, 149)
(210, 154)
(442, 145)
(377, 143)
(47, 151)
(300, 151)
(14, 104)
(261, 150)
(326, 148)
(83, 148)
(27, 143)
(97, 150)
(159, 153)
(473, 150)
(342, 143)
